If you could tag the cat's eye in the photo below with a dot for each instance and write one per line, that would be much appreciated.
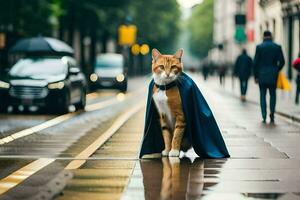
(174, 66)
(161, 66)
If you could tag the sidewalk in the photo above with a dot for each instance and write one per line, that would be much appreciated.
(285, 100)
(264, 162)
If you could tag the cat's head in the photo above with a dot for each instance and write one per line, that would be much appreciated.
(166, 68)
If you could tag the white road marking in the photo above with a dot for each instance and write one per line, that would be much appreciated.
(20, 175)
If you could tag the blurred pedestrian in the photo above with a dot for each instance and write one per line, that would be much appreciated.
(222, 73)
(268, 61)
(243, 69)
(205, 69)
(296, 65)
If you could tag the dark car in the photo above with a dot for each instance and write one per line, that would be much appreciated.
(51, 82)
(109, 72)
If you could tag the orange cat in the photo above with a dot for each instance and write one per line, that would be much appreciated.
(166, 69)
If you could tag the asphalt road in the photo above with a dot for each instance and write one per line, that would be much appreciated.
(60, 140)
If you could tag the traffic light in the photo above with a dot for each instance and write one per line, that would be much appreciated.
(240, 24)
(127, 35)
(240, 35)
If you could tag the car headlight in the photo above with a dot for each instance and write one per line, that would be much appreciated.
(94, 77)
(120, 77)
(4, 85)
(58, 85)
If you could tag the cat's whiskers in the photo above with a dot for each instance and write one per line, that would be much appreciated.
(161, 79)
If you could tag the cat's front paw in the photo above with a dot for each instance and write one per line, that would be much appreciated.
(174, 153)
(165, 153)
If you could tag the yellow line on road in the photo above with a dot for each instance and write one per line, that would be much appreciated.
(80, 159)
(25, 172)
(92, 95)
(20, 175)
(95, 95)
(56, 120)
(100, 105)
(37, 128)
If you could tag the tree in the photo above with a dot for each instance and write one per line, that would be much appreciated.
(157, 22)
(26, 18)
(201, 28)
(20, 18)
(92, 19)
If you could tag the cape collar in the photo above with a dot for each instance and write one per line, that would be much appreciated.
(166, 87)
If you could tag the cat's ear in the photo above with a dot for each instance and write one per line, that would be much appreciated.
(155, 54)
(178, 54)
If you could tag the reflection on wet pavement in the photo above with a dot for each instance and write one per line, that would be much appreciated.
(174, 178)
(166, 178)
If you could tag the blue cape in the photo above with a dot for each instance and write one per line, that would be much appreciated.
(201, 127)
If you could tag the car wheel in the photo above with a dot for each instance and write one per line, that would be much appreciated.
(26, 109)
(64, 105)
(82, 103)
(123, 87)
(3, 108)
(15, 109)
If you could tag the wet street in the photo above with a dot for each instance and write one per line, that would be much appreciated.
(94, 154)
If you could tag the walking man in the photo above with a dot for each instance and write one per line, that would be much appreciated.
(243, 69)
(268, 61)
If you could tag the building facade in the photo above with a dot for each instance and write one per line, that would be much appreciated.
(266, 15)
(226, 48)
(291, 29)
(281, 17)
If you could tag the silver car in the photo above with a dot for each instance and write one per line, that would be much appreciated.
(109, 72)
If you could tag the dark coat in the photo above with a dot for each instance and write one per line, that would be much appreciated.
(201, 128)
(298, 78)
(243, 66)
(268, 61)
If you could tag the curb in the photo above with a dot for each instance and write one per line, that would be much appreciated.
(291, 117)
(283, 114)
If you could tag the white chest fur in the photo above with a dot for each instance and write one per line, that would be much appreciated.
(161, 102)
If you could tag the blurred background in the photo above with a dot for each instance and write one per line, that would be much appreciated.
(240, 24)
(92, 27)
(212, 32)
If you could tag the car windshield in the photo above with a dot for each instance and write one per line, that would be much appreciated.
(109, 61)
(38, 67)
